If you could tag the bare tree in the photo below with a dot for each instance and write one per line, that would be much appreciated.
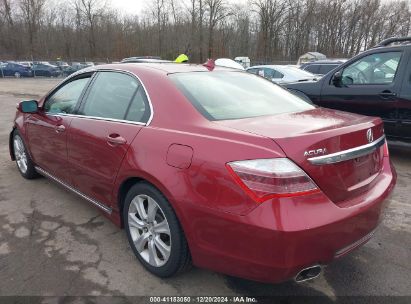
(217, 11)
(265, 30)
(90, 11)
(32, 13)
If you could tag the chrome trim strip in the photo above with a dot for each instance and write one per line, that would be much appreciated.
(97, 118)
(354, 245)
(347, 154)
(94, 202)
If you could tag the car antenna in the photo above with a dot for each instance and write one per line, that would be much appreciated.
(209, 64)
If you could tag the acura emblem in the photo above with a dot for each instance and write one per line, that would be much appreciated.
(370, 137)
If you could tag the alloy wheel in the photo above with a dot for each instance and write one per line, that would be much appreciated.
(149, 230)
(17, 75)
(20, 154)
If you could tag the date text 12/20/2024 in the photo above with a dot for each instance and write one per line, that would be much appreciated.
(203, 299)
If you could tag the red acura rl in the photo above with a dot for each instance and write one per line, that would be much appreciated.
(215, 167)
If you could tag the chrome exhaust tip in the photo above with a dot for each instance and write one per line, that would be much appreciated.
(308, 273)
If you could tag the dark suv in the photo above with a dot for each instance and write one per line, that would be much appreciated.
(376, 82)
(321, 67)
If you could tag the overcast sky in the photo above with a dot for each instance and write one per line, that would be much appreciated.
(134, 7)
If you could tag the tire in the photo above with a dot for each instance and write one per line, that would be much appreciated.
(145, 230)
(23, 161)
(17, 75)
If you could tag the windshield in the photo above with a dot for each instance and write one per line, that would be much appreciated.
(236, 95)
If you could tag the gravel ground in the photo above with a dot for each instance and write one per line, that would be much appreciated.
(52, 243)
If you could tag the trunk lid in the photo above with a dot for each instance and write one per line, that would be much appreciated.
(310, 136)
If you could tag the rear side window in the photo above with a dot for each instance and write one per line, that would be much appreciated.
(277, 74)
(314, 68)
(325, 68)
(252, 71)
(139, 107)
(236, 95)
(65, 99)
(116, 95)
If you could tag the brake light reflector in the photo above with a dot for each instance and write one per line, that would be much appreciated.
(263, 179)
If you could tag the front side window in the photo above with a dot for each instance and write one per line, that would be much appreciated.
(116, 95)
(377, 68)
(65, 99)
(236, 95)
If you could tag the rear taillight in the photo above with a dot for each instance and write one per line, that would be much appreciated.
(263, 179)
(385, 149)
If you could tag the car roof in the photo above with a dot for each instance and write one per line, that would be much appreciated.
(166, 68)
(272, 66)
(324, 62)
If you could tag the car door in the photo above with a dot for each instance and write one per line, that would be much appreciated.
(368, 86)
(112, 113)
(47, 129)
(8, 69)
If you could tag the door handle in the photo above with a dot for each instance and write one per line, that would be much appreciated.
(60, 129)
(387, 94)
(115, 139)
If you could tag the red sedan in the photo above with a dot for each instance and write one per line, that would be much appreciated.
(214, 167)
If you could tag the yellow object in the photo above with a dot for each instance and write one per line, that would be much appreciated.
(181, 58)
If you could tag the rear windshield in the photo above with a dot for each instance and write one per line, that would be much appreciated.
(236, 95)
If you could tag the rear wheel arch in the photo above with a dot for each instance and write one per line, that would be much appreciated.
(129, 182)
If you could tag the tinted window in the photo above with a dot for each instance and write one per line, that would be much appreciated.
(269, 73)
(252, 71)
(277, 74)
(325, 68)
(314, 68)
(65, 99)
(377, 68)
(139, 108)
(235, 95)
(110, 95)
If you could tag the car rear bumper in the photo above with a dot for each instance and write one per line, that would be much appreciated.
(279, 238)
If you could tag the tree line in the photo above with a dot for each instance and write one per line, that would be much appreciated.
(264, 30)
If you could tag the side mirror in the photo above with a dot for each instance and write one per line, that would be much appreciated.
(28, 106)
(337, 79)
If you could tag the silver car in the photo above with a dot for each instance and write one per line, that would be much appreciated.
(282, 73)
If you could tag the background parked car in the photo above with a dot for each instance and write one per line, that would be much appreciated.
(15, 69)
(375, 83)
(144, 59)
(26, 63)
(62, 65)
(47, 70)
(75, 66)
(229, 63)
(321, 67)
(281, 73)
